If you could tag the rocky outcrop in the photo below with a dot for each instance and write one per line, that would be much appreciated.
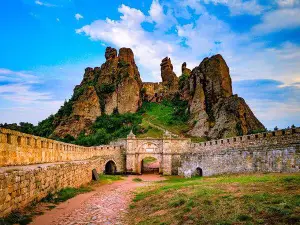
(184, 70)
(113, 87)
(169, 78)
(215, 111)
(116, 86)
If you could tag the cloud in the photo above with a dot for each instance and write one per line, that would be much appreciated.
(277, 20)
(274, 104)
(46, 4)
(19, 87)
(192, 42)
(201, 37)
(239, 7)
(17, 76)
(78, 16)
(288, 3)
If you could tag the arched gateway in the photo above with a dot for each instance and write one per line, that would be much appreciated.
(165, 150)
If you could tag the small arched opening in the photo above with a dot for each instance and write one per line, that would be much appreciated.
(199, 172)
(110, 167)
(150, 165)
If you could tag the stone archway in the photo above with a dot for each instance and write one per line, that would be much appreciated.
(150, 165)
(142, 157)
(199, 172)
(110, 167)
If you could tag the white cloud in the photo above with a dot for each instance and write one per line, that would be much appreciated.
(276, 20)
(19, 87)
(288, 3)
(17, 76)
(280, 114)
(46, 4)
(57, 19)
(238, 7)
(32, 113)
(204, 37)
(78, 16)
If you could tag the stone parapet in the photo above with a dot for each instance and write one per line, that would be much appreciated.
(23, 149)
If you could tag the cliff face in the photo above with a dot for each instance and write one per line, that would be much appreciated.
(115, 86)
(215, 111)
(156, 92)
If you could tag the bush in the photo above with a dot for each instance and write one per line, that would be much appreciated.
(107, 88)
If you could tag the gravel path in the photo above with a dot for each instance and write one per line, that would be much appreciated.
(106, 205)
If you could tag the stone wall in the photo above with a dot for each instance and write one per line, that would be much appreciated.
(23, 149)
(277, 151)
(21, 185)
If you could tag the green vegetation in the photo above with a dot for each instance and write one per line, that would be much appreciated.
(226, 199)
(182, 80)
(150, 121)
(137, 179)
(104, 179)
(107, 88)
(65, 194)
(168, 115)
(17, 217)
(111, 127)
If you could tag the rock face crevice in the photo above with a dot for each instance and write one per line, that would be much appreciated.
(116, 86)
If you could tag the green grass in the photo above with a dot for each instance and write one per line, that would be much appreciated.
(228, 199)
(17, 217)
(137, 179)
(151, 131)
(104, 179)
(65, 194)
(162, 116)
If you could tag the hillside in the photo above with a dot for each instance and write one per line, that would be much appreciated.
(112, 99)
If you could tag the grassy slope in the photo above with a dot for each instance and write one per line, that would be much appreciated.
(161, 115)
(235, 199)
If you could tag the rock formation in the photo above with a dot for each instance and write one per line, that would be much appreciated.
(115, 86)
(215, 111)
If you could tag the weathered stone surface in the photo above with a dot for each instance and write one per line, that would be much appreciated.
(215, 112)
(185, 70)
(85, 111)
(110, 53)
(116, 85)
(169, 78)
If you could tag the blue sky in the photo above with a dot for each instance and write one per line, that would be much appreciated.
(46, 44)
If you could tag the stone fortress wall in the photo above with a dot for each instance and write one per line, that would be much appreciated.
(32, 167)
(23, 149)
(277, 151)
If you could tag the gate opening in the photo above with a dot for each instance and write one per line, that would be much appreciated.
(110, 167)
(199, 172)
(150, 165)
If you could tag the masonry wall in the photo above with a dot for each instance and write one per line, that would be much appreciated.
(21, 185)
(23, 149)
(266, 152)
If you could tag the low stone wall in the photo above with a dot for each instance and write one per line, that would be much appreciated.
(23, 149)
(21, 185)
(266, 152)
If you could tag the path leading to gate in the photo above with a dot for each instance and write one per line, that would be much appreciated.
(106, 205)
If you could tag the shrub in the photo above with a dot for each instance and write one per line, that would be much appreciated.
(107, 88)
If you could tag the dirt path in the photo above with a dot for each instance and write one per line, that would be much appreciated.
(106, 205)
